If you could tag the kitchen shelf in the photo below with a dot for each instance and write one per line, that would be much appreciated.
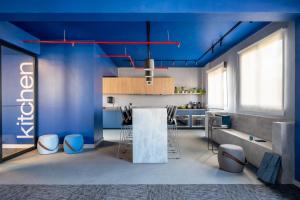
(152, 94)
(187, 93)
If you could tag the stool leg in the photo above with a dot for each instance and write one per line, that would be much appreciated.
(178, 145)
(173, 143)
(120, 141)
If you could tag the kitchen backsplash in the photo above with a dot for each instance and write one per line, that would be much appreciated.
(151, 100)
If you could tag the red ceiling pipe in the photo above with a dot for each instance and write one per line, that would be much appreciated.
(73, 42)
(155, 69)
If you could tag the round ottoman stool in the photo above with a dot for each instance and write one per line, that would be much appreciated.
(231, 158)
(73, 143)
(48, 144)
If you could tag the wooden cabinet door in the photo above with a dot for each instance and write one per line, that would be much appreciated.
(137, 85)
(125, 85)
(110, 85)
(161, 85)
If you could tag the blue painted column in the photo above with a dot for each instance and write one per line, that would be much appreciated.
(70, 90)
(297, 100)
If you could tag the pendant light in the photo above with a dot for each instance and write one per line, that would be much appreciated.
(149, 63)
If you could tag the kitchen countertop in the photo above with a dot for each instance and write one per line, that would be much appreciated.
(117, 108)
(150, 135)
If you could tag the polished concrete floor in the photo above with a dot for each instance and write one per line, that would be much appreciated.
(100, 166)
(10, 151)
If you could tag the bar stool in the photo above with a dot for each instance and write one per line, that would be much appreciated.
(173, 145)
(125, 141)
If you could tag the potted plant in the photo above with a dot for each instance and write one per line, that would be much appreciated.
(201, 91)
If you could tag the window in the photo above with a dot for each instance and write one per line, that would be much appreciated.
(217, 87)
(261, 75)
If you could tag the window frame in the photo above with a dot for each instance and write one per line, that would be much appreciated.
(263, 112)
(9, 45)
(216, 67)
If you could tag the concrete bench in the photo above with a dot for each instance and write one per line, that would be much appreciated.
(254, 151)
(278, 134)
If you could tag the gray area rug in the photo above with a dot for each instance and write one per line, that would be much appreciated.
(207, 192)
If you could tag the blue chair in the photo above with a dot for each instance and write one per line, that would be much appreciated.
(73, 143)
(48, 144)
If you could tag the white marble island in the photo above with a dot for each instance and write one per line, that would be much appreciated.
(150, 135)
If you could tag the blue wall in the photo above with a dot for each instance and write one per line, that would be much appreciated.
(70, 87)
(70, 96)
(297, 100)
(104, 67)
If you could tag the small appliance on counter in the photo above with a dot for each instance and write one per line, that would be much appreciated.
(110, 100)
(191, 105)
(223, 120)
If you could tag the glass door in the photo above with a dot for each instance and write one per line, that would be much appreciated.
(18, 122)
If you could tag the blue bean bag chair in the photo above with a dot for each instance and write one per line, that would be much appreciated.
(73, 143)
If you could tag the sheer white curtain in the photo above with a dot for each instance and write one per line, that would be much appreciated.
(217, 87)
(261, 75)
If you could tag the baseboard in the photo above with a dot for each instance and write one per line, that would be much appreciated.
(93, 146)
(297, 183)
(17, 146)
(22, 146)
(86, 146)
(99, 141)
(89, 146)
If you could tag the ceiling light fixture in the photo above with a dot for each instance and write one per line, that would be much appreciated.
(149, 63)
(221, 39)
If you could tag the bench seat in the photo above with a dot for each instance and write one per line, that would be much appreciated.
(254, 151)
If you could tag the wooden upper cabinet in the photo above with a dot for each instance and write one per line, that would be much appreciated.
(110, 85)
(161, 86)
(137, 85)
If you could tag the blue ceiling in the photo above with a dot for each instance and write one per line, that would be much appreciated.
(195, 37)
(196, 24)
(146, 6)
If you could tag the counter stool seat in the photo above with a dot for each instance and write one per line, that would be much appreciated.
(73, 143)
(48, 144)
(231, 158)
